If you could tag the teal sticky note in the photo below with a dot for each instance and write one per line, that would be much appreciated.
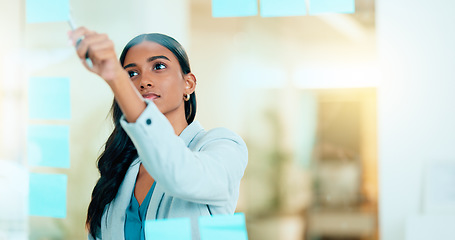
(234, 8)
(282, 8)
(168, 229)
(49, 98)
(223, 227)
(47, 195)
(48, 146)
(47, 10)
(331, 6)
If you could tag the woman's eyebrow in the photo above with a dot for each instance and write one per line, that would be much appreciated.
(157, 57)
(151, 59)
(130, 65)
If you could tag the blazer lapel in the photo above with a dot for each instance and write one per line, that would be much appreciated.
(155, 201)
(114, 227)
(187, 135)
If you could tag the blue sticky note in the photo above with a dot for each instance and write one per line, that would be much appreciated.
(47, 196)
(331, 6)
(234, 8)
(49, 98)
(282, 8)
(48, 146)
(47, 10)
(223, 227)
(168, 229)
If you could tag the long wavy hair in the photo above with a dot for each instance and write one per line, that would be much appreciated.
(119, 150)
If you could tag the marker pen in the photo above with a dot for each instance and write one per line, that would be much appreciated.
(73, 27)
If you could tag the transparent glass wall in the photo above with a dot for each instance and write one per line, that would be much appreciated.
(300, 90)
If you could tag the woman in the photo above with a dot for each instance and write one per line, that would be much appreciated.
(157, 163)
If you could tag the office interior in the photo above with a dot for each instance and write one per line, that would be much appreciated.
(347, 117)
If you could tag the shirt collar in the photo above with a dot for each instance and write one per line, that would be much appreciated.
(187, 135)
(190, 132)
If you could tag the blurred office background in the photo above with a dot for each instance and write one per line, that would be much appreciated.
(347, 116)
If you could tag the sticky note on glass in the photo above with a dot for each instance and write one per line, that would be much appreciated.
(48, 146)
(331, 6)
(47, 195)
(234, 8)
(168, 229)
(223, 227)
(282, 8)
(49, 98)
(47, 10)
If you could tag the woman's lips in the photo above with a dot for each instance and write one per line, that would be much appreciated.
(150, 96)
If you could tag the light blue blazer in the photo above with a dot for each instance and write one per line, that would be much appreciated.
(197, 173)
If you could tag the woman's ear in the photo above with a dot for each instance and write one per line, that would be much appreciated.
(190, 83)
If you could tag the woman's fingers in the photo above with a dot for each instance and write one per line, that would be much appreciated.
(96, 47)
(84, 40)
(99, 45)
(86, 44)
(79, 34)
(100, 51)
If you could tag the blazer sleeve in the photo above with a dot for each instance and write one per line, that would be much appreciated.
(210, 175)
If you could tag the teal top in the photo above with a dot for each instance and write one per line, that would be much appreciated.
(135, 216)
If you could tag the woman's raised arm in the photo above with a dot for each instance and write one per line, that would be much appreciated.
(100, 49)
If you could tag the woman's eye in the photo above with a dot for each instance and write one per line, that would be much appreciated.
(159, 66)
(132, 74)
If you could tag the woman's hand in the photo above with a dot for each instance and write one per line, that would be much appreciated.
(100, 49)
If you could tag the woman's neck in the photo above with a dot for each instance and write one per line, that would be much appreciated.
(178, 121)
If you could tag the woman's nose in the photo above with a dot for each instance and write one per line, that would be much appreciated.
(148, 85)
(146, 82)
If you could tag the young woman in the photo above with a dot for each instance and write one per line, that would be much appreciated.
(157, 163)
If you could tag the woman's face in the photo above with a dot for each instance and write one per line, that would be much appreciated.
(156, 73)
